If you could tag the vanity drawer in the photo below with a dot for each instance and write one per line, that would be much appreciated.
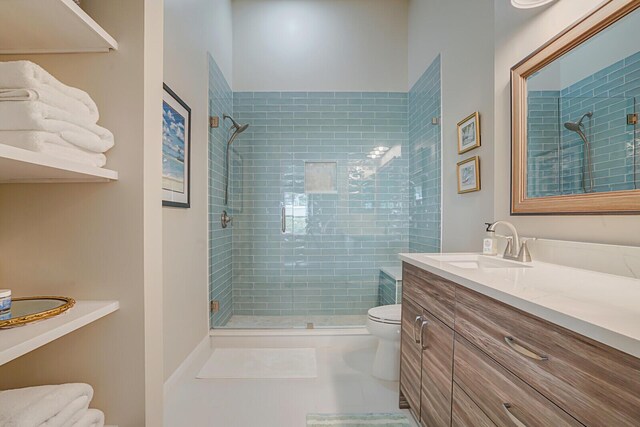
(465, 413)
(505, 399)
(433, 293)
(596, 384)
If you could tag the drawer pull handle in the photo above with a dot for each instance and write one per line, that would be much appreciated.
(415, 329)
(423, 327)
(524, 351)
(516, 422)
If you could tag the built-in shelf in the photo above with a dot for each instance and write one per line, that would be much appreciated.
(18, 341)
(24, 166)
(50, 26)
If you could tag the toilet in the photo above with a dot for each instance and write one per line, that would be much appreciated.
(384, 323)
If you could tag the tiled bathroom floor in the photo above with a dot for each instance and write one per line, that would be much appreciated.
(343, 385)
(284, 322)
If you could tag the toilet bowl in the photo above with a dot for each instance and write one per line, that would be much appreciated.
(384, 323)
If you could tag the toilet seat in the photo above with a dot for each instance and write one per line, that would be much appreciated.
(389, 314)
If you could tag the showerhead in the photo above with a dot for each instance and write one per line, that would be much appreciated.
(576, 126)
(238, 127)
(573, 127)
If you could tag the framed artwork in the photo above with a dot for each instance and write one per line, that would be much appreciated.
(176, 150)
(469, 175)
(469, 133)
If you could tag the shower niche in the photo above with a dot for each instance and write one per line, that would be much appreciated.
(576, 136)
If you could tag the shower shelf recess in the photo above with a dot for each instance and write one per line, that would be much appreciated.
(54, 26)
(21, 340)
(24, 166)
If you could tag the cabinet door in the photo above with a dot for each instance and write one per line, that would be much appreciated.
(466, 413)
(410, 374)
(437, 372)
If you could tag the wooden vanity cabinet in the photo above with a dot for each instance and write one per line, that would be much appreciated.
(426, 370)
(471, 361)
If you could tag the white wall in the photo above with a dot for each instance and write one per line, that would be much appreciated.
(100, 241)
(462, 31)
(192, 28)
(517, 34)
(320, 45)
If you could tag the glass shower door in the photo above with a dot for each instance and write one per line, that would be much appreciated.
(263, 252)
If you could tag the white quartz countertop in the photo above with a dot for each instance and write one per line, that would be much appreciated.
(600, 306)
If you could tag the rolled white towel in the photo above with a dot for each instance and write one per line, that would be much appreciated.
(34, 115)
(53, 97)
(91, 418)
(53, 145)
(50, 405)
(27, 75)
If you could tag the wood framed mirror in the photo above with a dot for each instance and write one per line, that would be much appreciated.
(575, 104)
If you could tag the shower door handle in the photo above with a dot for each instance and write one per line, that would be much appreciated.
(284, 219)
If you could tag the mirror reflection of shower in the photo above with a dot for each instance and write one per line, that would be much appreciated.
(237, 130)
(587, 170)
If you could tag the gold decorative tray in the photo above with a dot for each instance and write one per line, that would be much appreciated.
(32, 309)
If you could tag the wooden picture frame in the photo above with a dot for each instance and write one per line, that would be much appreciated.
(176, 150)
(469, 136)
(468, 172)
(615, 202)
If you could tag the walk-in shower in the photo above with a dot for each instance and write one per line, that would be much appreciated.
(587, 168)
(325, 190)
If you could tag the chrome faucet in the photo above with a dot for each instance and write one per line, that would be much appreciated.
(514, 250)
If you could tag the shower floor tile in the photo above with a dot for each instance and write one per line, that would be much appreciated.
(287, 322)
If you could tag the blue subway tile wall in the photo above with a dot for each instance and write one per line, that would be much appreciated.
(543, 151)
(328, 258)
(425, 145)
(610, 94)
(220, 240)
(388, 293)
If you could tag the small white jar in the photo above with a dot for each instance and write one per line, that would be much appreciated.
(5, 299)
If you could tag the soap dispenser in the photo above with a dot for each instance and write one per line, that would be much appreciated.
(490, 242)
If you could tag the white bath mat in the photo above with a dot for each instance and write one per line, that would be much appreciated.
(261, 363)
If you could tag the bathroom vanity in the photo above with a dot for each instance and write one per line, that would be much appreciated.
(491, 342)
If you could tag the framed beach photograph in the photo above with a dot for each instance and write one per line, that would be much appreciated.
(176, 150)
(469, 175)
(469, 133)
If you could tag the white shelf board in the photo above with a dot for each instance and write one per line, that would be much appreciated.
(18, 341)
(24, 166)
(49, 26)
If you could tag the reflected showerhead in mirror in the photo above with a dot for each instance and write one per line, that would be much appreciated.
(587, 178)
(576, 126)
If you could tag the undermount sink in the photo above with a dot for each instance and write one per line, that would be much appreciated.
(474, 261)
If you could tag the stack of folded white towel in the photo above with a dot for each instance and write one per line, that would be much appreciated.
(39, 113)
(65, 405)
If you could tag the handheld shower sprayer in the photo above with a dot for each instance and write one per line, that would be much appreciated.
(578, 127)
(237, 130)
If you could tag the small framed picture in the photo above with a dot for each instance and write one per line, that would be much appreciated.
(469, 133)
(469, 175)
(176, 150)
